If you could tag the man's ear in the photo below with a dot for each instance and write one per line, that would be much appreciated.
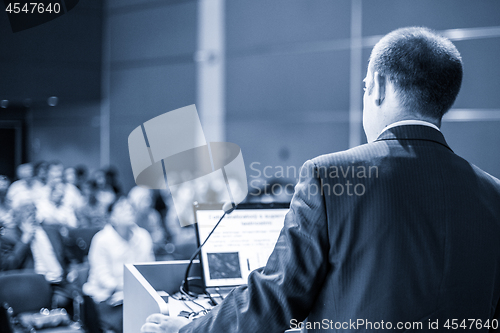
(379, 88)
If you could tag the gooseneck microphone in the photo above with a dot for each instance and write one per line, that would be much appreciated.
(228, 208)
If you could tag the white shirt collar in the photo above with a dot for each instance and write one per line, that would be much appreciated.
(410, 122)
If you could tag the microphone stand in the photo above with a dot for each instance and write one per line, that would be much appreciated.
(184, 286)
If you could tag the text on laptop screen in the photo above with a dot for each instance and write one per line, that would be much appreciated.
(242, 242)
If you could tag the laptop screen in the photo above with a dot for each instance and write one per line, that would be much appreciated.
(242, 242)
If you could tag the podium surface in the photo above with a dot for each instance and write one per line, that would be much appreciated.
(146, 286)
(142, 284)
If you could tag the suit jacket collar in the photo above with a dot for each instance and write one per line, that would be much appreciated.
(413, 132)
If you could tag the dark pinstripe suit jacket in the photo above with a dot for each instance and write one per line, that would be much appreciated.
(399, 230)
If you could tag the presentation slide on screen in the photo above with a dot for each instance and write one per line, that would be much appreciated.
(242, 242)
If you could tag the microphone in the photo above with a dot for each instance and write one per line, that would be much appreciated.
(228, 208)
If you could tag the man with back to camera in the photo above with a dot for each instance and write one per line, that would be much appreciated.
(414, 245)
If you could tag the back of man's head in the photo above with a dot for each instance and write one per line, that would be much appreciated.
(425, 68)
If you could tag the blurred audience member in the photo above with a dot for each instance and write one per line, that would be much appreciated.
(29, 245)
(26, 188)
(181, 241)
(111, 175)
(120, 242)
(24, 171)
(5, 214)
(2, 232)
(105, 192)
(159, 205)
(81, 173)
(51, 210)
(147, 217)
(40, 173)
(54, 172)
(19, 243)
(93, 213)
(69, 176)
(71, 196)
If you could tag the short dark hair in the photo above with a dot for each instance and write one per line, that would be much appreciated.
(425, 68)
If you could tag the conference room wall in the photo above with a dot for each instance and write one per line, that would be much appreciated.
(380, 17)
(286, 99)
(476, 135)
(69, 133)
(152, 70)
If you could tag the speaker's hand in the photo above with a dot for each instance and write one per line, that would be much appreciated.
(159, 323)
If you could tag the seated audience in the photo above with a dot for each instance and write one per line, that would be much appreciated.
(5, 212)
(81, 173)
(111, 176)
(181, 241)
(5, 215)
(41, 172)
(120, 242)
(93, 212)
(51, 210)
(30, 245)
(2, 232)
(27, 187)
(147, 217)
(69, 176)
(106, 193)
(72, 197)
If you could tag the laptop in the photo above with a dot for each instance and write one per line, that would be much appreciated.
(242, 242)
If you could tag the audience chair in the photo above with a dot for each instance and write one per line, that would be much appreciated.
(22, 292)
